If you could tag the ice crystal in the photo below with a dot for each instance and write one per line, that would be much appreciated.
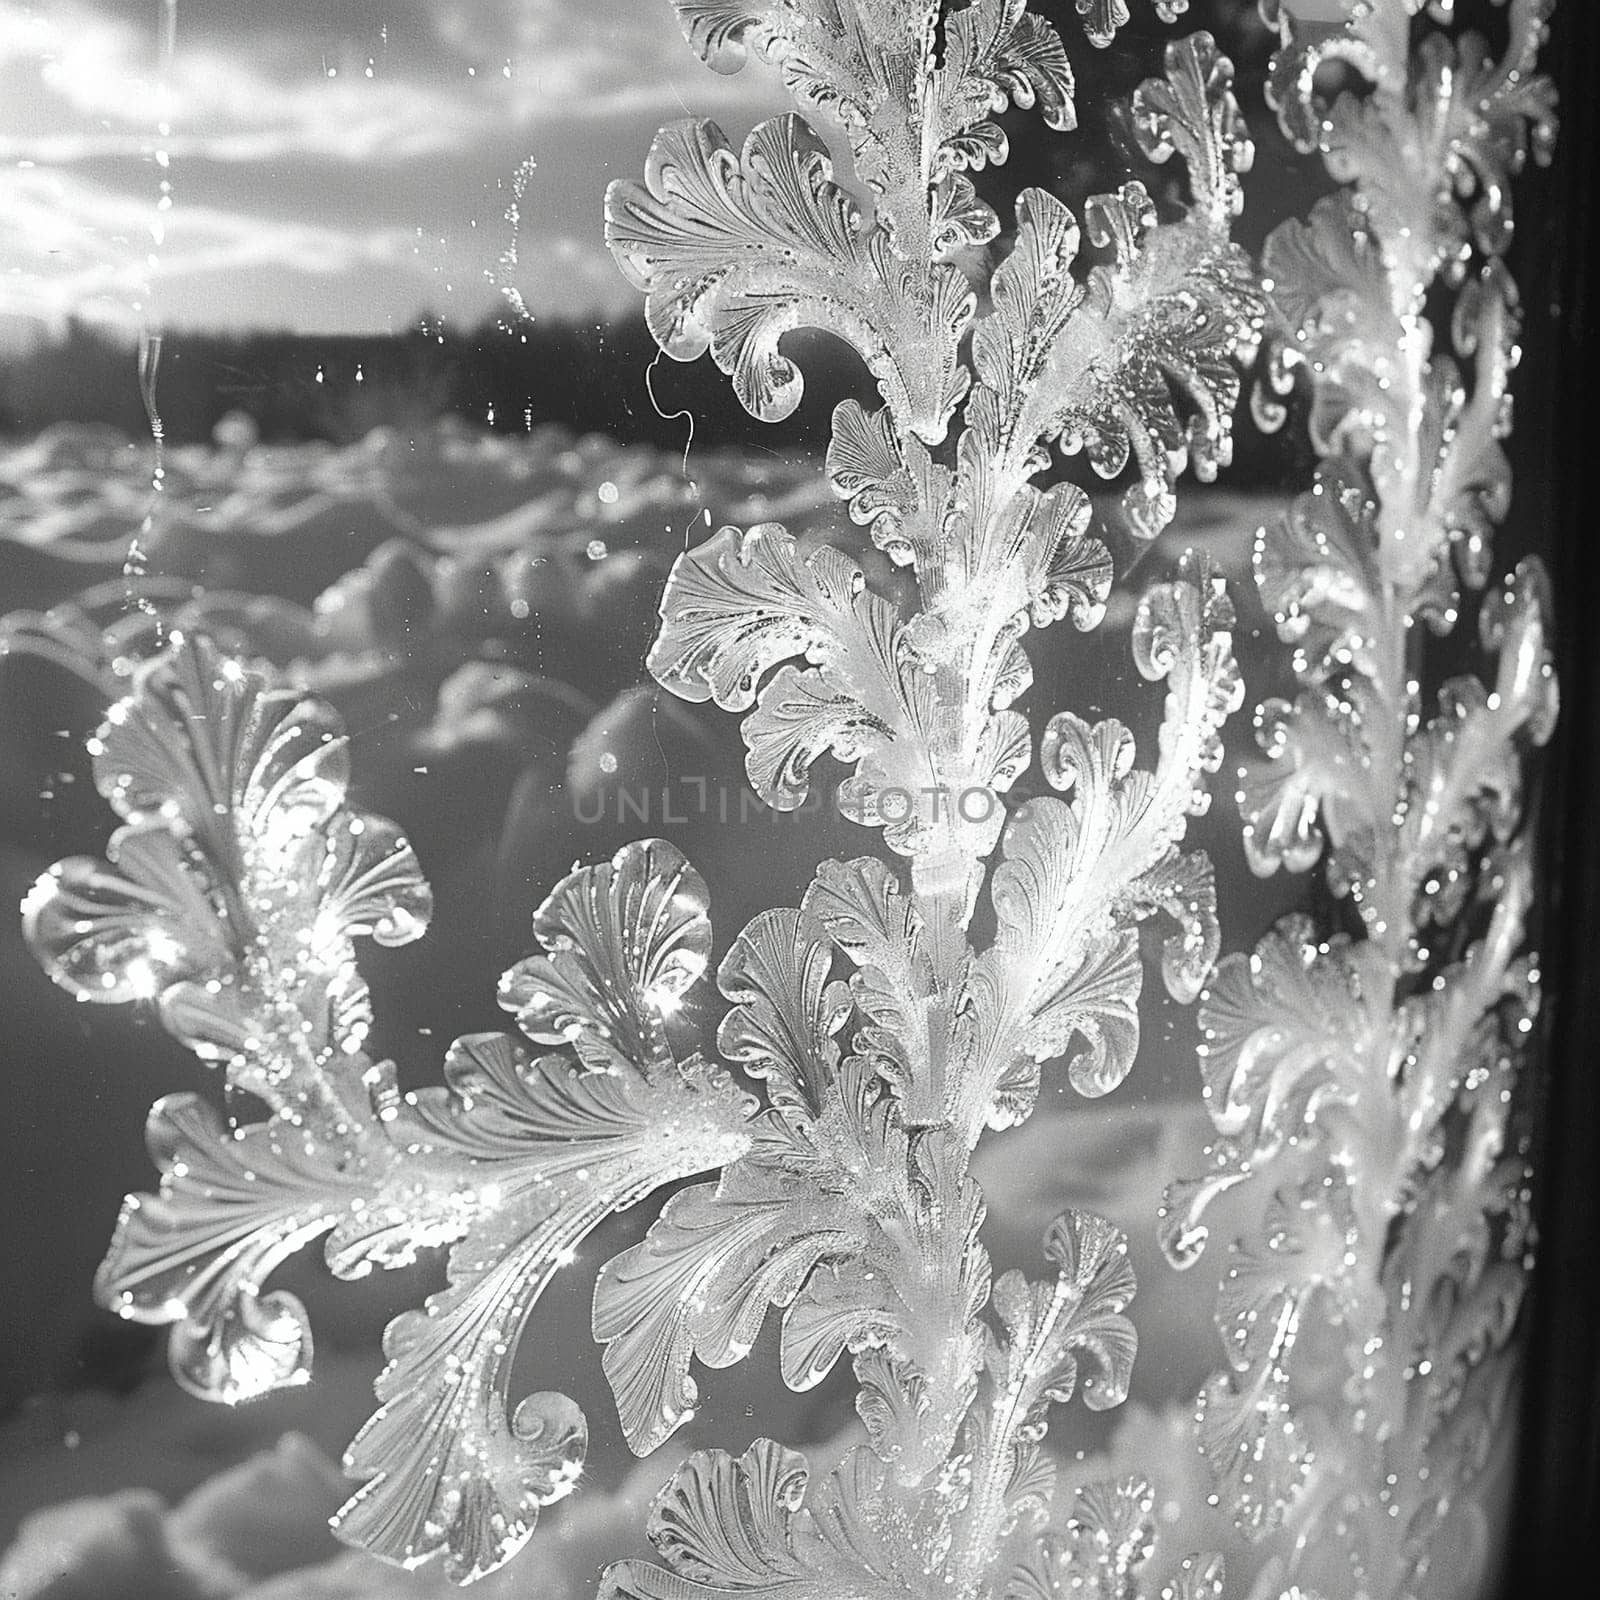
(872, 1037)
(853, 1209)
(1364, 1083)
(231, 898)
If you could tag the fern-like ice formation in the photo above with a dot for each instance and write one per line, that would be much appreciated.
(231, 899)
(1360, 1075)
(883, 1042)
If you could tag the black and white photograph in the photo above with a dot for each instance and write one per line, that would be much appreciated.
(796, 800)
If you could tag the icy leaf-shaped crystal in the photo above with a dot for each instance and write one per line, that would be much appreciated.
(916, 118)
(1467, 773)
(1147, 368)
(1138, 358)
(1434, 147)
(743, 1525)
(624, 941)
(786, 1011)
(704, 1277)
(1077, 874)
(832, 1214)
(1048, 1328)
(741, 603)
(1109, 1538)
(734, 251)
(1102, 18)
(878, 927)
(234, 893)
(719, 1255)
(551, 1151)
(231, 1208)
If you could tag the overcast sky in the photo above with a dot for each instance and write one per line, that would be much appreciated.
(334, 164)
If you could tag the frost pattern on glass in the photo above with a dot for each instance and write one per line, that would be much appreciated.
(1135, 359)
(1360, 1072)
(888, 1040)
(231, 897)
(884, 1041)
(871, 1037)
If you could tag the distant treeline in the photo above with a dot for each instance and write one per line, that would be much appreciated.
(589, 376)
(598, 375)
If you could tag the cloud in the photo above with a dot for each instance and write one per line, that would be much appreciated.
(427, 105)
(85, 85)
(76, 247)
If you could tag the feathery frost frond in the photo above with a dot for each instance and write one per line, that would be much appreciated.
(1363, 1085)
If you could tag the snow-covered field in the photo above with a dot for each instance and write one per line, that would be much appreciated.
(478, 608)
